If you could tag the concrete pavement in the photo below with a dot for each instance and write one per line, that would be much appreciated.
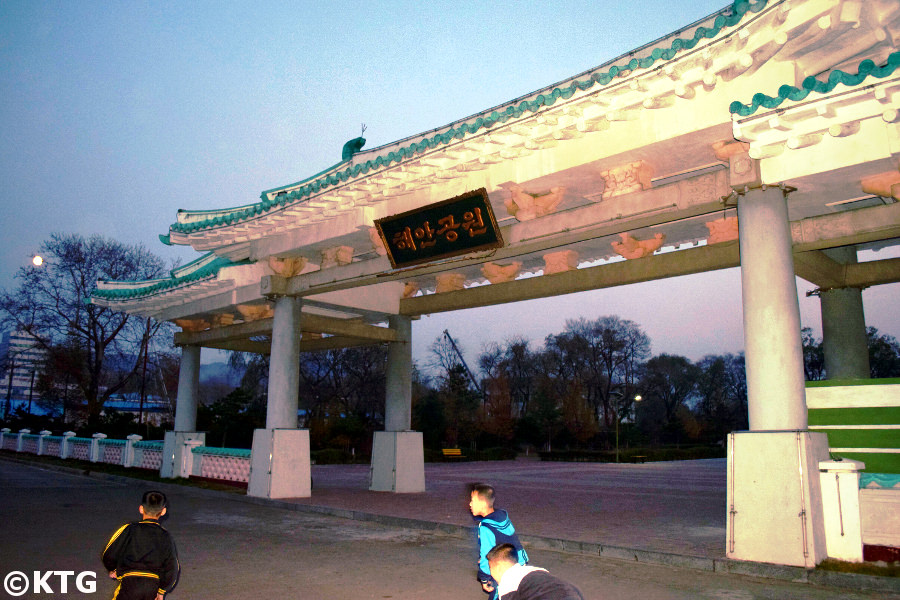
(667, 507)
(233, 547)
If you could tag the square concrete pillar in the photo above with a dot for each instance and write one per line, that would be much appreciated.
(839, 480)
(398, 462)
(279, 464)
(774, 499)
(177, 458)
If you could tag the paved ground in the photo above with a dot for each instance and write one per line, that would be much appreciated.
(676, 507)
(232, 549)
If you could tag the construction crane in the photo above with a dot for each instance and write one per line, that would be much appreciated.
(465, 366)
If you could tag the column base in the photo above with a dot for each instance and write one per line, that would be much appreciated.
(279, 464)
(774, 498)
(398, 462)
(175, 461)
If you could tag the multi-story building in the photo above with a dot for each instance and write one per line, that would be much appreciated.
(20, 362)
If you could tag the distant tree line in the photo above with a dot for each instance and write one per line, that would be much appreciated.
(571, 392)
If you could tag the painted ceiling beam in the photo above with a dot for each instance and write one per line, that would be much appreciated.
(847, 228)
(876, 272)
(310, 323)
(671, 264)
(306, 344)
(820, 270)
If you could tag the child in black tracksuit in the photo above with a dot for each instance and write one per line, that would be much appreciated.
(142, 555)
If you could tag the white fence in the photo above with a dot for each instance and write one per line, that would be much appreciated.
(221, 464)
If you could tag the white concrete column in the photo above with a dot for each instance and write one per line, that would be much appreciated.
(175, 444)
(398, 458)
(188, 389)
(95, 446)
(844, 341)
(20, 443)
(839, 480)
(42, 441)
(65, 447)
(284, 365)
(128, 454)
(279, 461)
(398, 384)
(772, 344)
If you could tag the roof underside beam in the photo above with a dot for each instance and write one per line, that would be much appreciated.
(306, 344)
(340, 328)
(672, 264)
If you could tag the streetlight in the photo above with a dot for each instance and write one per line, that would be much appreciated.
(31, 392)
(637, 398)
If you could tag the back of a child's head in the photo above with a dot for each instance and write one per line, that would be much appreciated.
(154, 503)
(485, 492)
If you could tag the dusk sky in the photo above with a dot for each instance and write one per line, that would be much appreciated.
(115, 115)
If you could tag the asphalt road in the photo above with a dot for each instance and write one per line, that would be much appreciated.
(231, 549)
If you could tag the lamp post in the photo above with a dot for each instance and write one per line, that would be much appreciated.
(30, 391)
(12, 367)
(637, 398)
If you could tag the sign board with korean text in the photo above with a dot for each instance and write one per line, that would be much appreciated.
(456, 226)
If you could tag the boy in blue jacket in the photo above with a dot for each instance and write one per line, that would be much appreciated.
(493, 528)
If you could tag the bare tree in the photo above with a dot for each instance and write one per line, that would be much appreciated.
(722, 394)
(671, 380)
(106, 347)
(444, 357)
(613, 348)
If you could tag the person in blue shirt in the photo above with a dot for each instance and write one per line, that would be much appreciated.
(493, 527)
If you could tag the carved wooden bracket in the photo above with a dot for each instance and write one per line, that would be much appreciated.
(287, 267)
(449, 282)
(500, 273)
(625, 179)
(722, 230)
(192, 324)
(335, 256)
(725, 149)
(524, 206)
(222, 320)
(410, 289)
(255, 312)
(559, 262)
(630, 247)
(377, 242)
(886, 185)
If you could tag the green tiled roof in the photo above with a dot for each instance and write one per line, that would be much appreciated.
(342, 171)
(205, 267)
(866, 69)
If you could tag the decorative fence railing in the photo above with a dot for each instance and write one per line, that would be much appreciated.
(222, 464)
(80, 449)
(148, 455)
(112, 451)
(52, 444)
(96, 448)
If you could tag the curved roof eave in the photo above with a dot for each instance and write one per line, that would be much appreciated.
(865, 69)
(203, 268)
(366, 162)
